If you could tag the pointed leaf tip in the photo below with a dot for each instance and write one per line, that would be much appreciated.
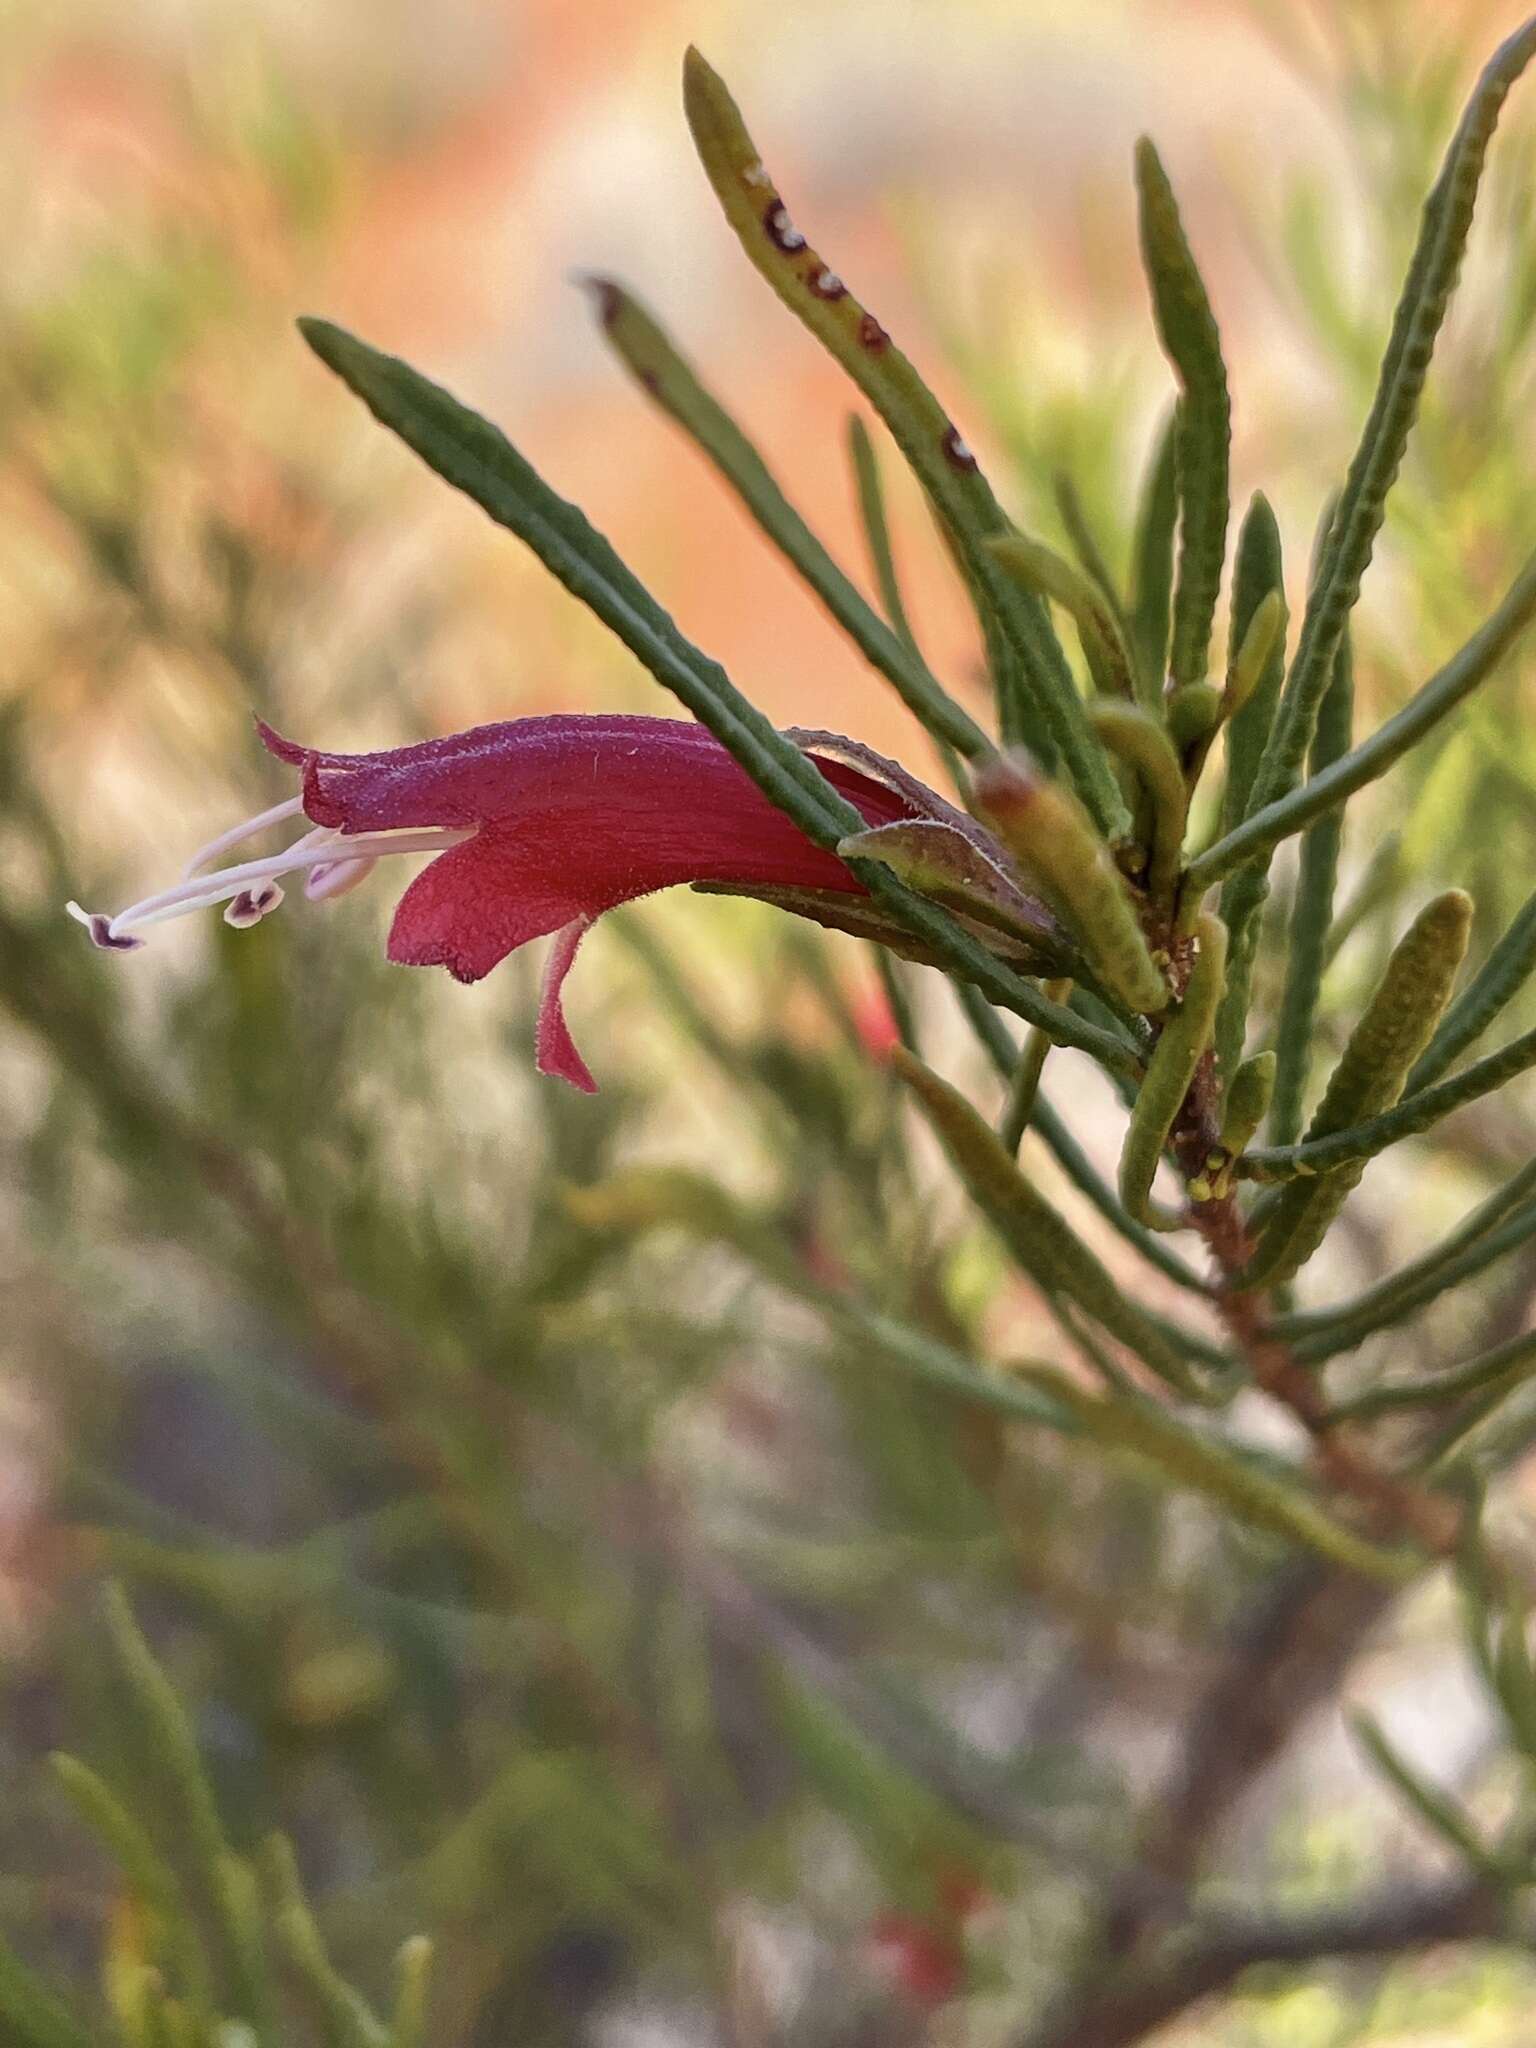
(314, 329)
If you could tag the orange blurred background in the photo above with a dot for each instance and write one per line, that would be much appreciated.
(967, 165)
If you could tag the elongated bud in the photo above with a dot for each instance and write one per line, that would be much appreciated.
(1247, 1103)
(1185, 1038)
(1397, 1025)
(1253, 652)
(1194, 711)
(1246, 1106)
(1044, 1243)
(1140, 740)
(1052, 837)
(1048, 574)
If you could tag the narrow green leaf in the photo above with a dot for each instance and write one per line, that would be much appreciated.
(1363, 1308)
(1024, 1088)
(1500, 978)
(169, 1745)
(1074, 1162)
(413, 1972)
(649, 1198)
(1497, 1372)
(1090, 555)
(477, 458)
(1044, 1244)
(1369, 1077)
(166, 1736)
(1182, 1044)
(903, 1016)
(135, 1996)
(1311, 913)
(1152, 565)
(1491, 1434)
(1189, 335)
(238, 1901)
(1141, 741)
(1514, 1676)
(1415, 1113)
(1085, 1177)
(1463, 1448)
(1412, 1288)
(147, 1873)
(926, 436)
(934, 1365)
(1052, 837)
(1258, 572)
(965, 957)
(662, 372)
(877, 533)
(344, 2013)
(1432, 274)
(1201, 1462)
(1472, 664)
(1379, 885)
(37, 2017)
(1440, 1813)
(1040, 569)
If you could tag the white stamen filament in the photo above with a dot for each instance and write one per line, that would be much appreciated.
(334, 854)
(238, 834)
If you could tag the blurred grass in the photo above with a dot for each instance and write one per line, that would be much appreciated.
(589, 1601)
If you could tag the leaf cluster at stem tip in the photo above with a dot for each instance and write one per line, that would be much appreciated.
(1106, 710)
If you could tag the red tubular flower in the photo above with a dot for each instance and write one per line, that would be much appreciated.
(539, 826)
